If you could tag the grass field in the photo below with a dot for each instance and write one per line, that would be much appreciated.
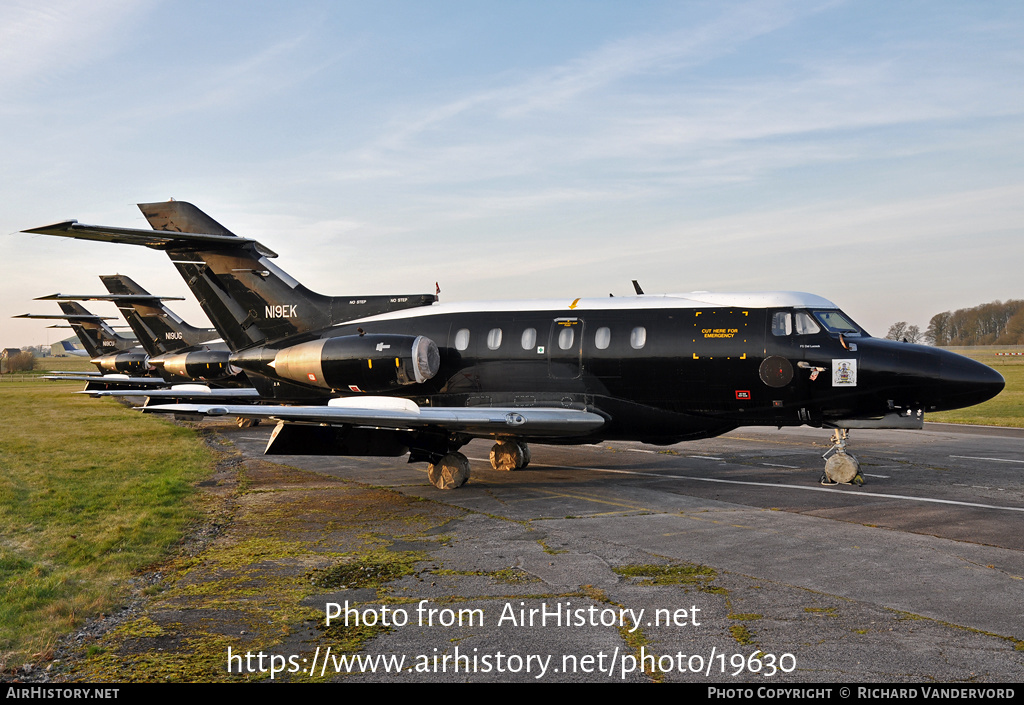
(1007, 409)
(45, 365)
(90, 492)
(64, 364)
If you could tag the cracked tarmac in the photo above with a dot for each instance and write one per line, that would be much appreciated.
(916, 577)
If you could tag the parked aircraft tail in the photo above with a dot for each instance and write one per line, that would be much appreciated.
(97, 337)
(248, 299)
(158, 329)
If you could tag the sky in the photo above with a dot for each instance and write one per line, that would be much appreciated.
(868, 152)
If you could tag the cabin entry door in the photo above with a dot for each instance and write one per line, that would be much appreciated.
(565, 348)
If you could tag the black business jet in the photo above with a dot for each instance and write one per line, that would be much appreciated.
(186, 358)
(405, 374)
(121, 362)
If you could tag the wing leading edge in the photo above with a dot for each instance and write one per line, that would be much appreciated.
(481, 421)
(182, 391)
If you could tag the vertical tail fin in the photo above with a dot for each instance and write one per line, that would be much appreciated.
(158, 329)
(96, 335)
(250, 300)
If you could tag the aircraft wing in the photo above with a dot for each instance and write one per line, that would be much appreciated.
(108, 379)
(188, 391)
(529, 422)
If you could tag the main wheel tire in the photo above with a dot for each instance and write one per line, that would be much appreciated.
(449, 472)
(527, 455)
(506, 455)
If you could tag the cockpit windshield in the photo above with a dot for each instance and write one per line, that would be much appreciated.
(837, 322)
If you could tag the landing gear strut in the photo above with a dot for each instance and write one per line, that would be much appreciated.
(840, 466)
(510, 455)
(449, 472)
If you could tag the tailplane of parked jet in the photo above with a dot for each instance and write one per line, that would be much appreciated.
(249, 300)
(97, 337)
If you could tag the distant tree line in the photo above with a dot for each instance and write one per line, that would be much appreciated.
(901, 331)
(995, 323)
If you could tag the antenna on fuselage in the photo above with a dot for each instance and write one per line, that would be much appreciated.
(636, 286)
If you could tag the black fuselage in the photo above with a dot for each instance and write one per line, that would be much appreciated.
(661, 374)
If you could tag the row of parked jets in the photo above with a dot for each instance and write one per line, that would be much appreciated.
(405, 374)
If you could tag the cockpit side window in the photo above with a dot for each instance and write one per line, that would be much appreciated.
(836, 322)
(805, 325)
(782, 323)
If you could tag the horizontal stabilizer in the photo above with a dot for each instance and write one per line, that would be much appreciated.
(67, 316)
(156, 239)
(125, 298)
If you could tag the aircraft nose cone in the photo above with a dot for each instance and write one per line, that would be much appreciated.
(966, 382)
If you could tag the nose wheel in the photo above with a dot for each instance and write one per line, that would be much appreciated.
(841, 467)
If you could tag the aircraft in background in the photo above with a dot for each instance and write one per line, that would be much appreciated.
(121, 362)
(396, 375)
(188, 359)
(67, 347)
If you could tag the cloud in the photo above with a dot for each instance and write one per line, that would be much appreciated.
(41, 39)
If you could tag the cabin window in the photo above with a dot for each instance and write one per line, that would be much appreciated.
(565, 338)
(602, 338)
(638, 337)
(805, 325)
(462, 339)
(494, 339)
(529, 338)
(782, 324)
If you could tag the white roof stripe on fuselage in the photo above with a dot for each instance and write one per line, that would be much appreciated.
(697, 299)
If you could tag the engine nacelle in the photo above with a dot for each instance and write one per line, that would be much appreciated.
(360, 363)
(123, 362)
(198, 364)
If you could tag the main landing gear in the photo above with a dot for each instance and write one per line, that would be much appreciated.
(449, 472)
(510, 455)
(840, 466)
(452, 470)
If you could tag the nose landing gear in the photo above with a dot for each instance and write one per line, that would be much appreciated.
(840, 466)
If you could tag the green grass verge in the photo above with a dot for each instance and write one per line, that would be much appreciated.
(63, 364)
(1007, 409)
(90, 491)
